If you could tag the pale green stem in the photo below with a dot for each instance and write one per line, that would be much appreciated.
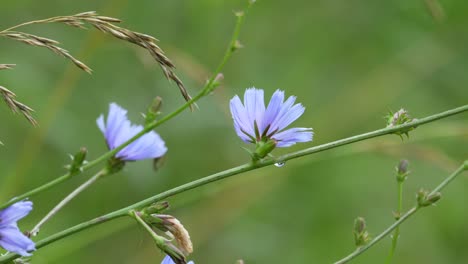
(244, 168)
(137, 217)
(211, 84)
(403, 218)
(68, 198)
(396, 233)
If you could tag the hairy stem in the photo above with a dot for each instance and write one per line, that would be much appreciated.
(67, 199)
(402, 219)
(249, 167)
(209, 86)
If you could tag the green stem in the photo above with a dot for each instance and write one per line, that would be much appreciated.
(396, 233)
(137, 217)
(403, 218)
(245, 168)
(211, 84)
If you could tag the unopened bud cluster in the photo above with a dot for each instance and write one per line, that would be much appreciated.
(77, 161)
(425, 198)
(398, 118)
(172, 227)
(361, 236)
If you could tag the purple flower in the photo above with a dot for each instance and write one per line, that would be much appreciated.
(11, 237)
(254, 123)
(168, 260)
(118, 129)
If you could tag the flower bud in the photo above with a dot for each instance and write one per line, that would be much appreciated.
(167, 247)
(402, 170)
(398, 118)
(172, 226)
(155, 208)
(153, 110)
(403, 166)
(425, 198)
(361, 236)
(77, 160)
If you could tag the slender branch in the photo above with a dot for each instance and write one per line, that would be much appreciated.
(67, 199)
(396, 233)
(403, 218)
(209, 86)
(143, 223)
(47, 20)
(249, 167)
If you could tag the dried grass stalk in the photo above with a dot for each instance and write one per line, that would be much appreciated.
(16, 106)
(6, 66)
(50, 44)
(103, 24)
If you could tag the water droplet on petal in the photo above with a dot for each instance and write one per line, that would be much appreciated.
(280, 164)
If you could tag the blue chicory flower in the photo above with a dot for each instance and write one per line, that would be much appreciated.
(168, 260)
(11, 237)
(254, 123)
(118, 129)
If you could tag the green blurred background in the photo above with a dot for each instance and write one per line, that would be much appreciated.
(348, 62)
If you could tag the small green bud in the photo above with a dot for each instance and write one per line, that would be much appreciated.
(396, 215)
(77, 160)
(176, 255)
(115, 165)
(215, 83)
(170, 249)
(361, 236)
(425, 198)
(155, 208)
(402, 170)
(217, 80)
(433, 198)
(263, 149)
(239, 13)
(153, 110)
(237, 45)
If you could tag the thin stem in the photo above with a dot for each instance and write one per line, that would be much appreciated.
(67, 199)
(209, 86)
(396, 233)
(37, 190)
(403, 218)
(47, 20)
(137, 217)
(245, 168)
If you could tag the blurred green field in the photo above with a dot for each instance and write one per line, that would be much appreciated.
(348, 62)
